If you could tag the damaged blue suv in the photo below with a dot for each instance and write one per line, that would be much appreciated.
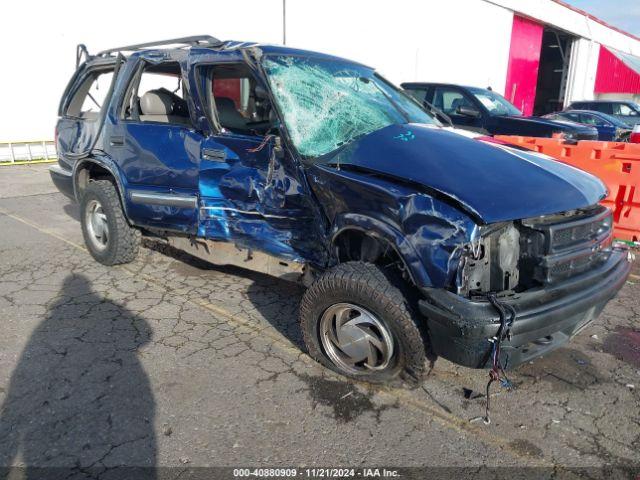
(414, 241)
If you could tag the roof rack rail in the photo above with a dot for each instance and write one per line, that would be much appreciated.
(81, 51)
(196, 40)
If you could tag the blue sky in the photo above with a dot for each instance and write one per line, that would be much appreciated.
(624, 14)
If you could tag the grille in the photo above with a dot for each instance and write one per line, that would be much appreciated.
(575, 242)
(585, 231)
(573, 267)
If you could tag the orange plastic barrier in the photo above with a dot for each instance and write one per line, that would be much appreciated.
(616, 164)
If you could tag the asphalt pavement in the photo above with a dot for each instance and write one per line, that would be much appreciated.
(170, 362)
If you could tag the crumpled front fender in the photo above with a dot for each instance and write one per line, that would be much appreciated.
(438, 232)
(428, 233)
(384, 231)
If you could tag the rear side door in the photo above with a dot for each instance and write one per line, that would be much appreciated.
(155, 145)
(252, 193)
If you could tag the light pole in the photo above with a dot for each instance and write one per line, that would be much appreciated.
(284, 22)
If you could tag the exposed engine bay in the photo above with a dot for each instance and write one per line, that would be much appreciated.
(518, 256)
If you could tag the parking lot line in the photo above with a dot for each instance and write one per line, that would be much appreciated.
(448, 420)
(40, 229)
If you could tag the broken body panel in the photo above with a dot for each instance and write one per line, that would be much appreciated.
(344, 152)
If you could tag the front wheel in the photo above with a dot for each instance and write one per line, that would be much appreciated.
(357, 322)
(107, 234)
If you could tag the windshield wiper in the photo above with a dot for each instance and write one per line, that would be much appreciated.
(439, 113)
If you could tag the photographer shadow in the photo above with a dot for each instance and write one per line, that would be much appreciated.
(79, 401)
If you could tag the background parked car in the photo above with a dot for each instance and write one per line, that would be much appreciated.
(628, 112)
(609, 127)
(487, 112)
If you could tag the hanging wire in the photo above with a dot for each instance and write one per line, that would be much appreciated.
(497, 372)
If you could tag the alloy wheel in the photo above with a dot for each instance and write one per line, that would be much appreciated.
(97, 225)
(355, 339)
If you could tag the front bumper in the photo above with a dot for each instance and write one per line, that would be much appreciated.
(460, 328)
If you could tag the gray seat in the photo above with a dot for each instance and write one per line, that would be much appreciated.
(158, 106)
(228, 114)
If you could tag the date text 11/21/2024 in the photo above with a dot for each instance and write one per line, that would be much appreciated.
(315, 472)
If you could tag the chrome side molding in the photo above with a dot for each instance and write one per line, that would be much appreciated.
(167, 200)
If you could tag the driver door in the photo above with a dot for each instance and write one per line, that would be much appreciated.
(252, 193)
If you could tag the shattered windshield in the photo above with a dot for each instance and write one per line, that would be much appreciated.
(329, 103)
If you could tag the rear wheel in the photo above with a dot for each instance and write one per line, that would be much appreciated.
(356, 321)
(107, 234)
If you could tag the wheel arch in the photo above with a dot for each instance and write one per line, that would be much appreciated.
(92, 168)
(363, 225)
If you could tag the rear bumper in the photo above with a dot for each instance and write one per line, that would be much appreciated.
(63, 180)
(459, 328)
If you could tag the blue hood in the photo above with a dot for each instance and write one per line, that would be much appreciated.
(494, 182)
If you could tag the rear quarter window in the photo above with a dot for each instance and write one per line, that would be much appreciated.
(88, 98)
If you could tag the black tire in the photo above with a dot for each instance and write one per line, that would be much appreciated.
(123, 241)
(367, 286)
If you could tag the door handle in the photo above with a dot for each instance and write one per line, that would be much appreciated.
(214, 154)
(116, 141)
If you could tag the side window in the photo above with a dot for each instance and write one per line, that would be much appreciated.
(602, 107)
(595, 120)
(156, 94)
(624, 109)
(418, 93)
(449, 100)
(235, 101)
(587, 119)
(88, 99)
